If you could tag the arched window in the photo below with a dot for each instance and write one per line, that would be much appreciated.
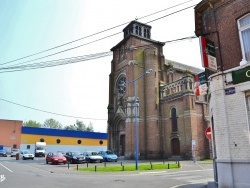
(174, 120)
(58, 141)
(79, 141)
(100, 142)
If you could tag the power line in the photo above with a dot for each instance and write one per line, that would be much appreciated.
(48, 111)
(72, 60)
(96, 34)
(54, 63)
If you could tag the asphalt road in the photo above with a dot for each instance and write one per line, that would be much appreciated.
(36, 173)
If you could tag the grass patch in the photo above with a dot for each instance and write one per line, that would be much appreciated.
(117, 168)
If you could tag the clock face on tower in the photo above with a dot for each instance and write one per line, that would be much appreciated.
(121, 85)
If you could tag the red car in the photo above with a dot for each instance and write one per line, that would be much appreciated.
(55, 158)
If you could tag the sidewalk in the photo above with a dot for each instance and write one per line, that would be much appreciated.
(212, 185)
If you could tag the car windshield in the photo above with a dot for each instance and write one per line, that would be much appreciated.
(76, 153)
(40, 148)
(109, 152)
(93, 153)
(26, 152)
(58, 154)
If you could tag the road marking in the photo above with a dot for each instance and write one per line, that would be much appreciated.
(188, 184)
(172, 173)
(6, 167)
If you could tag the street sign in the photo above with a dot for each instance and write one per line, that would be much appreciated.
(208, 133)
(208, 55)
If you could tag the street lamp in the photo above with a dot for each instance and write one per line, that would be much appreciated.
(136, 116)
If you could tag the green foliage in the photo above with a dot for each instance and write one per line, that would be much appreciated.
(32, 123)
(80, 126)
(70, 127)
(53, 124)
(118, 168)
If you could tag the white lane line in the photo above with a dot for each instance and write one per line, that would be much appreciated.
(6, 167)
(203, 182)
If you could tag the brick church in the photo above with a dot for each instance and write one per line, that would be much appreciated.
(152, 102)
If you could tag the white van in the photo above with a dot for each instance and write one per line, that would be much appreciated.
(14, 152)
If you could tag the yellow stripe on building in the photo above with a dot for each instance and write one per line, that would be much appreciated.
(52, 140)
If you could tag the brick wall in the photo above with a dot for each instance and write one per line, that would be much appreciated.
(10, 133)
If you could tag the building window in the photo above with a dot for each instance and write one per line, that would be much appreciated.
(58, 141)
(14, 146)
(174, 120)
(121, 85)
(170, 77)
(122, 53)
(244, 31)
(146, 32)
(42, 140)
(100, 142)
(137, 30)
(79, 141)
(28, 146)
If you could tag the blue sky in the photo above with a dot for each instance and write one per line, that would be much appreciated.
(79, 89)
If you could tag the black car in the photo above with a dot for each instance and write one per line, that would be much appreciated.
(74, 157)
(3, 153)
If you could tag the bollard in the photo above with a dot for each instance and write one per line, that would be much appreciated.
(77, 167)
(122, 167)
(105, 164)
(178, 163)
(17, 156)
(68, 165)
(151, 166)
(121, 163)
(95, 168)
(87, 164)
(168, 165)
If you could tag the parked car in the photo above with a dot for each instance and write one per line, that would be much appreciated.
(55, 158)
(14, 152)
(25, 154)
(74, 157)
(108, 155)
(3, 153)
(92, 156)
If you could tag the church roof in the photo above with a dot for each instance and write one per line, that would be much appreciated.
(183, 67)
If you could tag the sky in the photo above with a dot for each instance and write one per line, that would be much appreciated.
(33, 32)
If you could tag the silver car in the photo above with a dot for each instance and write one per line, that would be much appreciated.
(92, 156)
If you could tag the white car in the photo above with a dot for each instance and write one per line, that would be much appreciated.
(92, 156)
(14, 152)
(25, 154)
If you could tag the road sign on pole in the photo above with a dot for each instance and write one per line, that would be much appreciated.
(208, 133)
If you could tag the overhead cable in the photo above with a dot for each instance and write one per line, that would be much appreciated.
(78, 117)
(94, 35)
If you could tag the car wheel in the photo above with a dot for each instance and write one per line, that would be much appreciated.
(47, 161)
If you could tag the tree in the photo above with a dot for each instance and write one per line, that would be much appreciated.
(70, 127)
(90, 127)
(80, 126)
(53, 124)
(32, 123)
